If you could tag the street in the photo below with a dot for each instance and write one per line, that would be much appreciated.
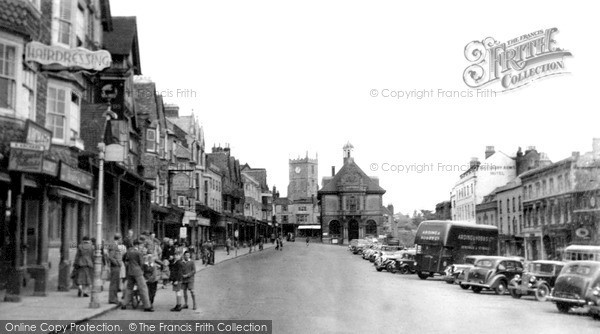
(326, 289)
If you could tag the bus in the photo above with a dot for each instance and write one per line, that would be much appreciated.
(442, 243)
(581, 253)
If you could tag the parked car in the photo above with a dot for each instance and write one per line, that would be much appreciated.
(386, 258)
(493, 273)
(404, 264)
(538, 279)
(578, 285)
(360, 246)
(457, 273)
(385, 249)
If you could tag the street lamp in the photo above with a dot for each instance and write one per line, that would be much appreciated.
(97, 285)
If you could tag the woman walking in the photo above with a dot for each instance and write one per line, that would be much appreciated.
(84, 266)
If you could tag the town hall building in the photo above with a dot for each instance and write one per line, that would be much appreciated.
(351, 203)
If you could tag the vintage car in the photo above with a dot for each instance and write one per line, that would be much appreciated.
(405, 264)
(381, 262)
(457, 273)
(538, 279)
(578, 285)
(360, 246)
(493, 273)
(384, 251)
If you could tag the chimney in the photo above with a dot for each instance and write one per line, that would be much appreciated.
(489, 150)
(171, 110)
(596, 148)
(474, 162)
(332, 171)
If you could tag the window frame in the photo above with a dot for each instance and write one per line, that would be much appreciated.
(15, 77)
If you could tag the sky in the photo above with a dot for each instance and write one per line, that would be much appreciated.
(277, 79)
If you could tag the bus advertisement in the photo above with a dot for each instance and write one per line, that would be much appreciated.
(443, 243)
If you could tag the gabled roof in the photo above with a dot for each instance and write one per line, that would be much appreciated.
(351, 175)
(123, 40)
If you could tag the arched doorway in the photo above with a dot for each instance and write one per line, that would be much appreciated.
(371, 228)
(335, 230)
(352, 230)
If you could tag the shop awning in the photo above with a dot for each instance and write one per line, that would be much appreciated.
(309, 227)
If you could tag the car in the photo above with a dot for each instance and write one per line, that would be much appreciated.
(538, 279)
(384, 250)
(405, 264)
(360, 246)
(354, 243)
(457, 273)
(386, 258)
(578, 285)
(493, 273)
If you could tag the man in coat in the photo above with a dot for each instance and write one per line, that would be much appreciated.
(115, 259)
(135, 275)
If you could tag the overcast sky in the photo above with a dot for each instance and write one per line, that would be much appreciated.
(275, 79)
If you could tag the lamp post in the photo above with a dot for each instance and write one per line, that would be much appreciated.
(97, 284)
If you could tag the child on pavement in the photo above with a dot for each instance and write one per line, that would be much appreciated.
(189, 270)
(165, 273)
(176, 278)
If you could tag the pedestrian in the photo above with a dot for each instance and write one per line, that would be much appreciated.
(250, 246)
(307, 240)
(211, 252)
(176, 278)
(165, 273)
(228, 244)
(152, 273)
(115, 258)
(168, 252)
(84, 267)
(135, 275)
(260, 243)
(187, 282)
(128, 240)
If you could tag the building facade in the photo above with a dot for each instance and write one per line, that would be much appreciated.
(351, 203)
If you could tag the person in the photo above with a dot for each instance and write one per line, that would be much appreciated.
(115, 259)
(176, 278)
(228, 244)
(211, 252)
(280, 242)
(260, 243)
(123, 274)
(135, 275)
(165, 273)
(152, 273)
(187, 282)
(168, 252)
(128, 240)
(250, 246)
(307, 240)
(84, 266)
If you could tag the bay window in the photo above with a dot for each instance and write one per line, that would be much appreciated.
(8, 66)
(63, 108)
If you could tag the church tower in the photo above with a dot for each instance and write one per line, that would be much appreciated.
(304, 176)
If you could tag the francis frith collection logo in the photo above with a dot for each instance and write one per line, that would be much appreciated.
(514, 63)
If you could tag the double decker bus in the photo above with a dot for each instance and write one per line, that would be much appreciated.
(442, 243)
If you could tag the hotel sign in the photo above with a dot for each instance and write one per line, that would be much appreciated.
(66, 59)
(76, 177)
(26, 158)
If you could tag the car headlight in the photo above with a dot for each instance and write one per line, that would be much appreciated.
(532, 279)
(596, 291)
(517, 277)
(401, 262)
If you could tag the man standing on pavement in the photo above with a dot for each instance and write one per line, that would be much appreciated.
(135, 275)
(228, 244)
(115, 259)
(187, 282)
(128, 240)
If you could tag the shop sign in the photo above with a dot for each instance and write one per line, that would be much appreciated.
(67, 59)
(180, 182)
(183, 232)
(76, 177)
(37, 134)
(203, 221)
(26, 158)
(50, 167)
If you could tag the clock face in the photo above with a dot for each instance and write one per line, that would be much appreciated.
(298, 169)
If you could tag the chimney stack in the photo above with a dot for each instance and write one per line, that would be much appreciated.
(474, 162)
(489, 151)
(171, 110)
(332, 171)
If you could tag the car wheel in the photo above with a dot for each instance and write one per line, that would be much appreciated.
(422, 276)
(450, 281)
(379, 268)
(404, 271)
(391, 268)
(563, 307)
(541, 293)
(464, 287)
(477, 289)
(500, 289)
(514, 293)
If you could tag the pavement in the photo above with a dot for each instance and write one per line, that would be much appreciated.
(67, 306)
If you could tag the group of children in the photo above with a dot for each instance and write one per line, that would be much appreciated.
(180, 272)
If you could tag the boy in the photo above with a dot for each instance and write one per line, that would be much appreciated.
(187, 282)
(176, 278)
